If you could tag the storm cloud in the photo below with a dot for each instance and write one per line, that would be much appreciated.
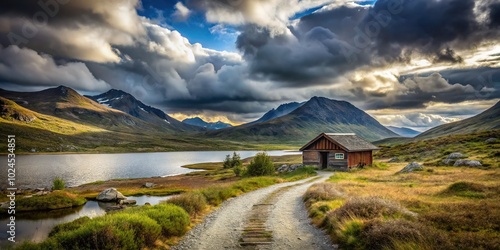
(393, 54)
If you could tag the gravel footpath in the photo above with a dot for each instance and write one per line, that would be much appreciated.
(290, 225)
(291, 229)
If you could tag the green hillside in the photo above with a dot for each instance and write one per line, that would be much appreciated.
(487, 120)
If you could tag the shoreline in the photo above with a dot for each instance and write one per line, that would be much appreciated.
(296, 149)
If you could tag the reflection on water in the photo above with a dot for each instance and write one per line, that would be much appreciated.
(36, 226)
(35, 171)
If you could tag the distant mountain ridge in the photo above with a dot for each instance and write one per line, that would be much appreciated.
(197, 121)
(283, 109)
(121, 100)
(66, 103)
(404, 132)
(315, 116)
(487, 120)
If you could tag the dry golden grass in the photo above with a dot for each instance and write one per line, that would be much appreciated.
(455, 207)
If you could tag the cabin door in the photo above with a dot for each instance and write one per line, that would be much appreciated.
(324, 160)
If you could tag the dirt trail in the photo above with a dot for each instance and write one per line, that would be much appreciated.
(284, 221)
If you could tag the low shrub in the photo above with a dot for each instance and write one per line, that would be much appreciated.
(261, 165)
(215, 196)
(113, 231)
(174, 221)
(193, 202)
(58, 184)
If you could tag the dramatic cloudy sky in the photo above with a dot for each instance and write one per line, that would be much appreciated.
(407, 63)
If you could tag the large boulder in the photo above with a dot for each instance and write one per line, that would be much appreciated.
(110, 194)
(393, 159)
(456, 155)
(467, 163)
(411, 168)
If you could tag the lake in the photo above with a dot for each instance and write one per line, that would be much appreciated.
(36, 171)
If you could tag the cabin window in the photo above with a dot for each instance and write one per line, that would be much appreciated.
(339, 156)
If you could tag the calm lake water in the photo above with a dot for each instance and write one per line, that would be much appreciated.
(34, 171)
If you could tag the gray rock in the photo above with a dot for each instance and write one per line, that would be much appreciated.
(467, 163)
(128, 202)
(491, 140)
(149, 185)
(110, 194)
(393, 159)
(38, 189)
(40, 193)
(456, 155)
(411, 168)
(452, 158)
(285, 168)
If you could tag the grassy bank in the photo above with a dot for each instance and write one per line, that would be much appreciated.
(278, 161)
(430, 209)
(159, 226)
(433, 151)
(54, 200)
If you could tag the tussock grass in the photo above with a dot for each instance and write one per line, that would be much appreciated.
(369, 208)
(193, 202)
(423, 210)
(322, 192)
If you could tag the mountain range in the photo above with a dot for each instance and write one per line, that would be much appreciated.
(120, 100)
(197, 121)
(60, 119)
(315, 116)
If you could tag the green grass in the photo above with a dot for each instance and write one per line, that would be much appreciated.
(135, 228)
(53, 200)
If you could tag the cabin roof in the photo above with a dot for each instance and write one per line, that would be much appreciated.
(349, 141)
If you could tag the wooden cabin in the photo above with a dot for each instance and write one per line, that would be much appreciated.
(338, 151)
